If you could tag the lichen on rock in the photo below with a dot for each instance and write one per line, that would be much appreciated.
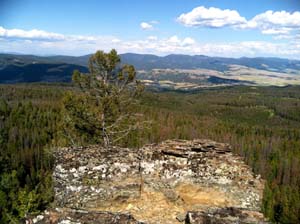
(171, 182)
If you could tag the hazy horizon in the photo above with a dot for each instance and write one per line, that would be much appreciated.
(65, 55)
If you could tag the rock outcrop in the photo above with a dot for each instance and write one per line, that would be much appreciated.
(197, 181)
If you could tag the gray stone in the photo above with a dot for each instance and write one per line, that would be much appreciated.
(157, 183)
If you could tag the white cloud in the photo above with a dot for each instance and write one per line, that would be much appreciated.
(188, 41)
(211, 17)
(176, 41)
(276, 31)
(234, 49)
(270, 23)
(115, 40)
(79, 45)
(41, 35)
(146, 26)
(173, 40)
(31, 34)
(283, 37)
(277, 19)
(275, 23)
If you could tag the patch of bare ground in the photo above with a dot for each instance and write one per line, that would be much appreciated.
(175, 181)
(166, 206)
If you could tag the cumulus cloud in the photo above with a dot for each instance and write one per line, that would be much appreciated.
(146, 26)
(41, 35)
(176, 41)
(269, 22)
(280, 22)
(276, 31)
(275, 19)
(79, 45)
(30, 34)
(188, 41)
(173, 40)
(115, 40)
(284, 37)
(211, 17)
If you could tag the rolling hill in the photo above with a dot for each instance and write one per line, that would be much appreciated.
(171, 71)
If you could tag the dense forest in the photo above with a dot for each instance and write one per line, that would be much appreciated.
(261, 123)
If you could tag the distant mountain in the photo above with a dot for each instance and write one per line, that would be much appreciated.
(40, 72)
(179, 70)
(173, 61)
(19, 59)
(177, 61)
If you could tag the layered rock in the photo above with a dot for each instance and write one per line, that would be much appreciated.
(70, 216)
(224, 216)
(175, 181)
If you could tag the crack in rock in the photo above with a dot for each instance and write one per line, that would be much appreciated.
(198, 181)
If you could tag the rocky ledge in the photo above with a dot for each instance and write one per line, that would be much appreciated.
(177, 181)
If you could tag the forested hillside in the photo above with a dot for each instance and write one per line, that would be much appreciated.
(168, 72)
(261, 123)
(28, 125)
(150, 61)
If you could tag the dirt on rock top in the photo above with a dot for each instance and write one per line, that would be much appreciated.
(176, 181)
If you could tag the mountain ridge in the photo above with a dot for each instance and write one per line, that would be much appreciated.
(179, 69)
(83, 59)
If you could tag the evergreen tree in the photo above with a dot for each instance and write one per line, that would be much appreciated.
(102, 111)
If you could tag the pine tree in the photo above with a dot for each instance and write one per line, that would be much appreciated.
(102, 111)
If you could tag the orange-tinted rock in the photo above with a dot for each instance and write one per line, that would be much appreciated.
(159, 183)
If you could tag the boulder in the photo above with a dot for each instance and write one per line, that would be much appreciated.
(200, 180)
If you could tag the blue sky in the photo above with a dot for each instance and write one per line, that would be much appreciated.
(229, 28)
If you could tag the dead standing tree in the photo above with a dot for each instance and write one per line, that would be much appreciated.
(102, 111)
